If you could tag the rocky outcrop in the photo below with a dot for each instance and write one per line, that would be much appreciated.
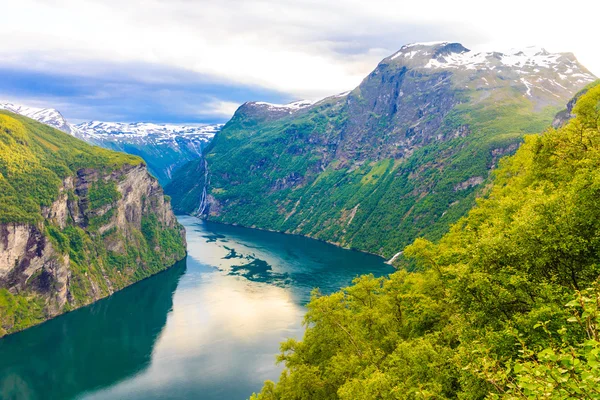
(413, 144)
(469, 183)
(28, 259)
(68, 260)
(566, 115)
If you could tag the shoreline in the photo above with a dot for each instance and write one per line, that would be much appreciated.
(385, 260)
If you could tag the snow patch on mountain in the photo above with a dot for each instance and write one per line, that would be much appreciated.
(145, 131)
(533, 70)
(290, 107)
(522, 61)
(137, 132)
(48, 116)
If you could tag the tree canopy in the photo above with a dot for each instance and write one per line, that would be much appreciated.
(506, 305)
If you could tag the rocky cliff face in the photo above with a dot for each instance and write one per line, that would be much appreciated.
(105, 229)
(400, 156)
(564, 116)
(35, 261)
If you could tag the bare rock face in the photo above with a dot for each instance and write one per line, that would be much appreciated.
(28, 259)
(564, 116)
(469, 183)
(411, 144)
(35, 260)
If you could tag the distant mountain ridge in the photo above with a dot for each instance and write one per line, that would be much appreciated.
(164, 147)
(98, 129)
(535, 71)
(400, 156)
(48, 116)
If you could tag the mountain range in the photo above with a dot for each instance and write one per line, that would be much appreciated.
(506, 305)
(402, 155)
(164, 147)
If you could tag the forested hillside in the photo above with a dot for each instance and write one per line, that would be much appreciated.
(506, 305)
(77, 223)
(402, 155)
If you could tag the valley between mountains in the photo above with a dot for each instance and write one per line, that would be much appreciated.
(474, 173)
(403, 155)
(164, 147)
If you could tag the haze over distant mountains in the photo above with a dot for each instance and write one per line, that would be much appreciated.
(164, 147)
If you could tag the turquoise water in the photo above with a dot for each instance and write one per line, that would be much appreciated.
(207, 328)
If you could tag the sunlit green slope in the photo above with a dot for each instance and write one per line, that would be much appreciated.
(506, 305)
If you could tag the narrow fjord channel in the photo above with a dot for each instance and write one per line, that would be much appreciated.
(207, 328)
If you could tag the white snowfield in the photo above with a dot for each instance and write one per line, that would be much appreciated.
(116, 131)
(105, 130)
(524, 60)
(539, 72)
(291, 107)
(296, 105)
(530, 58)
(48, 116)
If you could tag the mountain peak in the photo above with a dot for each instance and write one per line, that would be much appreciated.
(449, 48)
(427, 50)
(449, 55)
(48, 116)
(533, 70)
(289, 107)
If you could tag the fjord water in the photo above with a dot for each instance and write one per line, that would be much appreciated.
(207, 328)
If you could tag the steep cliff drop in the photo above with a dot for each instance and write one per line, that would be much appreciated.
(77, 223)
(403, 155)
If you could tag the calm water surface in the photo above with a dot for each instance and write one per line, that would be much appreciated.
(208, 328)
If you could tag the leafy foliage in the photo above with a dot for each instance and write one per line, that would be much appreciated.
(283, 174)
(102, 255)
(484, 315)
(103, 192)
(34, 158)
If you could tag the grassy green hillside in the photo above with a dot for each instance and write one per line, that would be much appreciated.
(279, 175)
(35, 158)
(402, 155)
(505, 305)
(77, 222)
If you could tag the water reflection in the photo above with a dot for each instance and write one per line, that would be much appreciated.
(209, 329)
(220, 334)
(91, 347)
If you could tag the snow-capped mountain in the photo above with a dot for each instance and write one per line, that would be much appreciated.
(144, 132)
(535, 72)
(164, 147)
(48, 116)
(289, 108)
(402, 155)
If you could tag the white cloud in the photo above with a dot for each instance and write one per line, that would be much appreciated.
(307, 48)
(219, 108)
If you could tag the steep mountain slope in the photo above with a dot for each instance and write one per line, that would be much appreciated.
(77, 223)
(564, 116)
(164, 147)
(402, 155)
(48, 116)
(504, 306)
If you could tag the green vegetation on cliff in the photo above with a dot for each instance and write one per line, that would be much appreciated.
(77, 222)
(401, 156)
(35, 158)
(505, 305)
(274, 178)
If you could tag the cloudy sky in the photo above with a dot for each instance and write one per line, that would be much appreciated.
(196, 60)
